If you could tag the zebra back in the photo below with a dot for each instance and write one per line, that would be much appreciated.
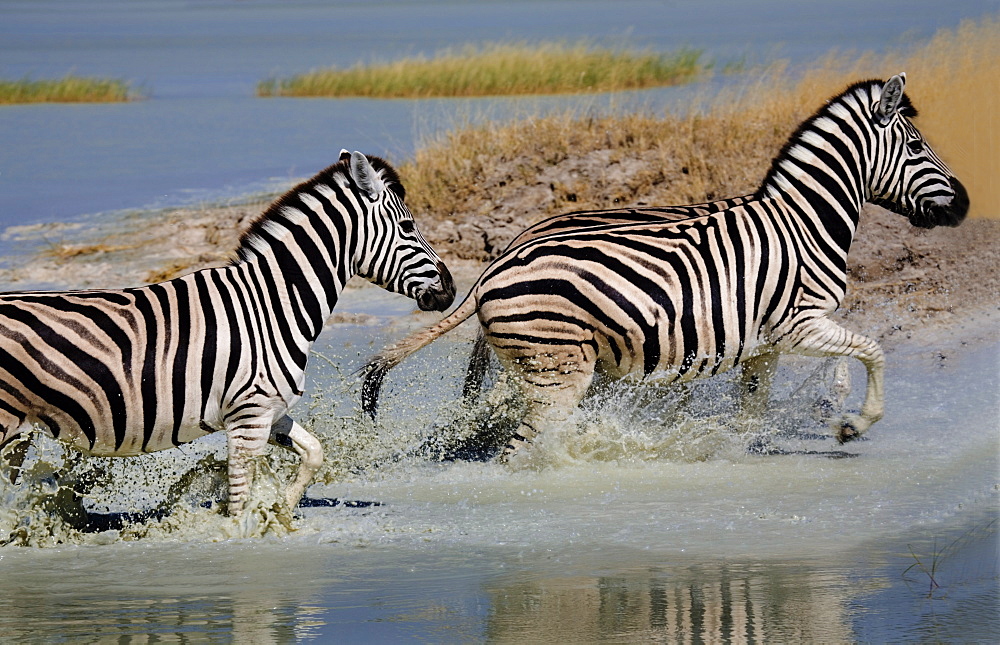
(570, 222)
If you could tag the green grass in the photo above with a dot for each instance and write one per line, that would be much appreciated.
(69, 89)
(496, 70)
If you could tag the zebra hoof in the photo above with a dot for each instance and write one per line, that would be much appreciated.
(848, 431)
(850, 427)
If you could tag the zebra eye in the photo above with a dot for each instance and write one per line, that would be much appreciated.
(407, 225)
(916, 146)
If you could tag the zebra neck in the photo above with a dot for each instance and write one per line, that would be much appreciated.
(298, 292)
(825, 198)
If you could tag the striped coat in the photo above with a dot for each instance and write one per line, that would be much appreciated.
(692, 298)
(124, 372)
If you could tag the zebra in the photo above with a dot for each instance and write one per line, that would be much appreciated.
(131, 371)
(479, 358)
(693, 298)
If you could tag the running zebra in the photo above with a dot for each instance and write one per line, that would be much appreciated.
(124, 372)
(693, 298)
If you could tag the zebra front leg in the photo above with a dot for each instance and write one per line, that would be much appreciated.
(245, 438)
(14, 453)
(290, 435)
(823, 337)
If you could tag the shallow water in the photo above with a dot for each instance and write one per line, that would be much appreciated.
(615, 534)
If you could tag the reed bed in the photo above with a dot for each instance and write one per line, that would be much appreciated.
(69, 89)
(495, 175)
(496, 70)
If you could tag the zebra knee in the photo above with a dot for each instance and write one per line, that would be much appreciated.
(310, 451)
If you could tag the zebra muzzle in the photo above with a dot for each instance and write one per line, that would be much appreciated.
(439, 295)
(948, 214)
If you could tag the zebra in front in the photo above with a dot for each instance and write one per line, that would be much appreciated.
(125, 372)
(693, 298)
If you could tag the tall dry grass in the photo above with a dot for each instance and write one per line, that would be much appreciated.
(69, 89)
(953, 80)
(496, 69)
(513, 174)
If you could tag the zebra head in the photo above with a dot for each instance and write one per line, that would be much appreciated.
(392, 253)
(909, 178)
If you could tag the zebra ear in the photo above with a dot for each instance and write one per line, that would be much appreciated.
(344, 154)
(892, 97)
(365, 176)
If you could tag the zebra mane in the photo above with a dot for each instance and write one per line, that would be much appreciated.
(253, 235)
(865, 88)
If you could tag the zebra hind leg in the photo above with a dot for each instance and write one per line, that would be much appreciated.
(479, 363)
(553, 385)
(755, 388)
(290, 435)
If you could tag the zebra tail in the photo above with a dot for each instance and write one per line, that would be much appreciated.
(374, 371)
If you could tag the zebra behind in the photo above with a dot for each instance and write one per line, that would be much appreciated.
(124, 372)
(693, 298)
(566, 222)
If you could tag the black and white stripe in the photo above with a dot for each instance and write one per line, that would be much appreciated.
(576, 220)
(686, 299)
(124, 372)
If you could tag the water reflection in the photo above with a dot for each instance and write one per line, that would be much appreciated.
(708, 603)
(241, 599)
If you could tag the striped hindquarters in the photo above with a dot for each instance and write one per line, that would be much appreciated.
(685, 297)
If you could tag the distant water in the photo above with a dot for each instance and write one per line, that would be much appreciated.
(203, 137)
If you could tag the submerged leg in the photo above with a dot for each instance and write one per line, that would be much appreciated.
(15, 437)
(840, 388)
(553, 385)
(823, 337)
(14, 453)
(755, 387)
(245, 439)
(756, 377)
(479, 362)
(290, 435)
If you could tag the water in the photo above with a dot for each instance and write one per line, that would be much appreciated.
(616, 544)
(641, 526)
(203, 137)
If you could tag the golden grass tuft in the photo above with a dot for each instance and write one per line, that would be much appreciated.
(69, 89)
(520, 172)
(496, 70)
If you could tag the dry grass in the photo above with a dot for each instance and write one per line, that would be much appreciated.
(509, 175)
(69, 89)
(66, 252)
(495, 70)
